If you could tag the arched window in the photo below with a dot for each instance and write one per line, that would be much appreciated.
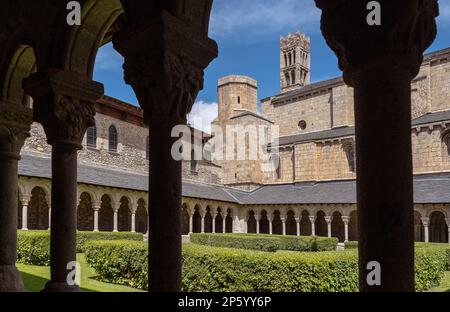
(285, 60)
(350, 153)
(447, 145)
(147, 148)
(288, 79)
(91, 137)
(112, 135)
(293, 77)
(239, 100)
(290, 58)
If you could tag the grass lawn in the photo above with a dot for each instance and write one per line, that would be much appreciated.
(445, 284)
(34, 278)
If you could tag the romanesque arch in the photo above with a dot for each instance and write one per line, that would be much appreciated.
(305, 224)
(106, 214)
(38, 210)
(321, 224)
(219, 221)
(277, 224)
(291, 224)
(353, 226)
(418, 227)
(229, 222)
(85, 213)
(124, 215)
(264, 227)
(208, 220)
(185, 220)
(438, 228)
(251, 223)
(141, 217)
(337, 226)
(197, 220)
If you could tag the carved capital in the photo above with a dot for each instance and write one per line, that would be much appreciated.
(64, 103)
(164, 63)
(407, 28)
(15, 123)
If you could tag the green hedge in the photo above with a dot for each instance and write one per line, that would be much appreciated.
(351, 245)
(270, 243)
(33, 247)
(213, 269)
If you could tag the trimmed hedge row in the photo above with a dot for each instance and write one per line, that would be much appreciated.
(33, 247)
(213, 269)
(270, 243)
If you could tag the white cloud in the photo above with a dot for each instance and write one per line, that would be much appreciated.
(263, 17)
(202, 115)
(108, 59)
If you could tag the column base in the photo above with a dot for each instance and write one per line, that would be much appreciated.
(60, 287)
(10, 279)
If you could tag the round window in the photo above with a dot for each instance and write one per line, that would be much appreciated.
(302, 124)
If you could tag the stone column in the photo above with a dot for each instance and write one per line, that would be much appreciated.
(312, 219)
(448, 226)
(50, 216)
(258, 219)
(15, 124)
(191, 222)
(297, 221)
(214, 216)
(270, 218)
(346, 220)
(165, 56)
(283, 222)
(116, 221)
(97, 208)
(379, 62)
(133, 221)
(202, 227)
(328, 219)
(426, 229)
(64, 103)
(224, 224)
(25, 200)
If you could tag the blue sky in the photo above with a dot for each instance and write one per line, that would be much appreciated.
(248, 34)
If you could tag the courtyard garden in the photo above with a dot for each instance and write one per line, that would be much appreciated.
(117, 262)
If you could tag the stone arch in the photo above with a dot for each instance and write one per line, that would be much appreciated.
(321, 224)
(124, 215)
(353, 226)
(141, 216)
(185, 219)
(291, 224)
(208, 220)
(251, 222)
(219, 220)
(337, 226)
(438, 227)
(197, 219)
(277, 225)
(305, 224)
(85, 213)
(38, 209)
(106, 214)
(419, 235)
(264, 227)
(229, 221)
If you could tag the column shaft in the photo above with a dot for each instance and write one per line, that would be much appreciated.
(224, 224)
(165, 212)
(191, 223)
(385, 181)
(214, 223)
(116, 221)
(133, 222)
(25, 216)
(96, 219)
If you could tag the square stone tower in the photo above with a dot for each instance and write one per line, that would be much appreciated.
(295, 61)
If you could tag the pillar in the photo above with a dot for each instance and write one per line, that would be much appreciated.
(96, 211)
(202, 228)
(297, 221)
(214, 216)
(346, 220)
(312, 219)
(133, 221)
(283, 222)
(50, 216)
(448, 226)
(25, 200)
(258, 219)
(64, 103)
(379, 62)
(426, 229)
(270, 218)
(116, 221)
(191, 222)
(15, 124)
(328, 219)
(224, 223)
